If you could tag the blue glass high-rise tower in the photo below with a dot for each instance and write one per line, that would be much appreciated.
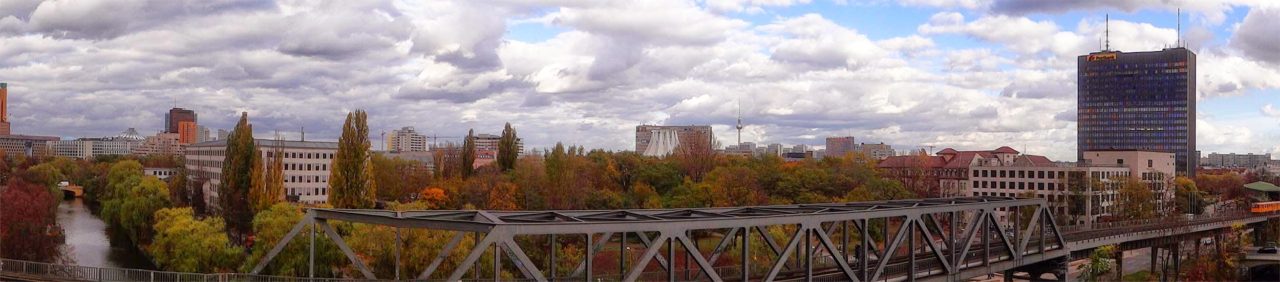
(1142, 101)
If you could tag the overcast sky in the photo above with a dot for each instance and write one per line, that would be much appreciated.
(968, 74)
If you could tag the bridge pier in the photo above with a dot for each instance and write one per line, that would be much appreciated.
(1036, 271)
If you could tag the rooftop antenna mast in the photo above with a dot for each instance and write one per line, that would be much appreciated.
(1179, 42)
(1107, 33)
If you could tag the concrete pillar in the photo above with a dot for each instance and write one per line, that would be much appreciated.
(1119, 263)
(1154, 250)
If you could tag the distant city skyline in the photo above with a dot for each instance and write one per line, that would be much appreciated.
(963, 74)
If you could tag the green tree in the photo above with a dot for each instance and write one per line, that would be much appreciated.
(270, 226)
(237, 177)
(1136, 199)
(46, 175)
(1188, 198)
(1099, 264)
(132, 213)
(468, 154)
(351, 181)
(508, 148)
(185, 244)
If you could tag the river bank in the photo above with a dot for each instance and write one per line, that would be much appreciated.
(87, 241)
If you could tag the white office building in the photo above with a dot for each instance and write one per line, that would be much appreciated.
(306, 167)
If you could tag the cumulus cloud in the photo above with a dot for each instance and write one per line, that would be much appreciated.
(1271, 111)
(605, 66)
(1257, 36)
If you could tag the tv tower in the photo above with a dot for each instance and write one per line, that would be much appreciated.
(740, 126)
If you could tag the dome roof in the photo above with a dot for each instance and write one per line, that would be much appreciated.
(129, 134)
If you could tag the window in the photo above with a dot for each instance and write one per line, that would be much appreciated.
(1149, 163)
(1120, 161)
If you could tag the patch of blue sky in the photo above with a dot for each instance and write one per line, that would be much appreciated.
(532, 31)
(1247, 105)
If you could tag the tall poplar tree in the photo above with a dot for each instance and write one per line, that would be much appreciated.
(508, 148)
(351, 182)
(268, 188)
(237, 177)
(468, 154)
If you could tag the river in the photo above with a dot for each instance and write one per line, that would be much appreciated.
(88, 243)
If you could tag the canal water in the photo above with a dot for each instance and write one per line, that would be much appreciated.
(88, 243)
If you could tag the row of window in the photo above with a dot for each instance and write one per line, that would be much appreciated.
(307, 179)
(1040, 186)
(1004, 173)
(308, 191)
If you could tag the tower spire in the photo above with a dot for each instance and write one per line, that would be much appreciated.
(740, 126)
(1179, 42)
(1107, 33)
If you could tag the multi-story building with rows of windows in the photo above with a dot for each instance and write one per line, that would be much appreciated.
(306, 167)
(1138, 101)
(1005, 172)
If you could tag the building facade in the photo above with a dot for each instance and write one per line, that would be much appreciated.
(174, 118)
(877, 151)
(840, 146)
(4, 109)
(1156, 169)
(26, 145)
(306, 167)
(1234, 160)
(406, 140)
(1144, 101)
(1058, 184)
(160, 144)
(658, 140)
(188, 132)
(487, 146)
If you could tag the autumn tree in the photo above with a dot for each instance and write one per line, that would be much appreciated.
(733, 186)
(508, 148)
(271, 225)
(468, 154)
(1135, 198)
(399, 179)
(268, 188)
(29, 228)
(186, 244)
(132, 212)
(1187, 197)
(180, 188)
(237, 177)
(351, 182)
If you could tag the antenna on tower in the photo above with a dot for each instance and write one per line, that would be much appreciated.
(1107, 34)
(1179, 42)
(740, 126)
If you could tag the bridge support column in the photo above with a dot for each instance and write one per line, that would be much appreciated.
(1036, 271)
(1154, 251)
(1119, 263)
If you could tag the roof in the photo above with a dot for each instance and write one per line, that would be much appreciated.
(30, 137)
(912, 161)
(1005, 150)
(272, 143)
(1262, 187)
(947, 151)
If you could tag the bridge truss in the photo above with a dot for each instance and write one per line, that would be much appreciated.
(949, 239)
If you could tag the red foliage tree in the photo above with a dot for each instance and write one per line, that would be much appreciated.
(28, 226)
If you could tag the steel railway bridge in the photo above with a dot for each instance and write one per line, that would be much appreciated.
(949, 239)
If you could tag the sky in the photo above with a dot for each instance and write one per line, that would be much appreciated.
(965, 74)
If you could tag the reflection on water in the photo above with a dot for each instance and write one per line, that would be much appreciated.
(88, 243)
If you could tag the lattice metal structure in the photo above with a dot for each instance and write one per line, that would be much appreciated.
(948, 239)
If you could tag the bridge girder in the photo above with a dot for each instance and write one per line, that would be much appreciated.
(947, 239)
